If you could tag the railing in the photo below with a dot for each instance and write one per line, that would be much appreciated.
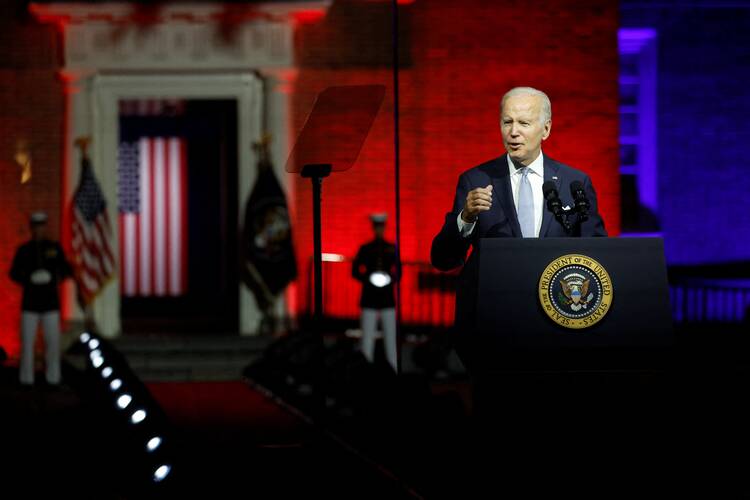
(427, 295)
(724, 301)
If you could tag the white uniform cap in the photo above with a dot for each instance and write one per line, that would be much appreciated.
(378, 218)
(38, 218)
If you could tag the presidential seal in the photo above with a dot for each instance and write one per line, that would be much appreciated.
(575, 291)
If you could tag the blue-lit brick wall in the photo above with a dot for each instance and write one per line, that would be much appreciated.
(703, 109)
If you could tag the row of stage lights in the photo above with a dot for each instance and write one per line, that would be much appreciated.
(124, 400)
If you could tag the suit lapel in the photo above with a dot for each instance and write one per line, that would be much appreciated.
(550, 174)
(501, 185)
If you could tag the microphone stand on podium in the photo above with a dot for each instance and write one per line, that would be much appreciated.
(579, 213)
(330, 141)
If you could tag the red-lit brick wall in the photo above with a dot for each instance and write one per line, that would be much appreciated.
(461, 56)
(457, 59)
(31, 111)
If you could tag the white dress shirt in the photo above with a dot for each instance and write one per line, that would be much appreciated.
(536, 178)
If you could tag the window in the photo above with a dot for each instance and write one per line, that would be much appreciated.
(638, 159)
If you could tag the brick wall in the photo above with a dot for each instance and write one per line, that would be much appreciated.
(31, 111)
(703, 105)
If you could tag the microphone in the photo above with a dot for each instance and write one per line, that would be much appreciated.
(581, 200)
(554, 204)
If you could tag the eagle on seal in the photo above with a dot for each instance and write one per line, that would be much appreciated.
(575, 291)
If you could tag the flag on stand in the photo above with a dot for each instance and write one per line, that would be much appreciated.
(93, 261)
(152, 187)
(269, 262)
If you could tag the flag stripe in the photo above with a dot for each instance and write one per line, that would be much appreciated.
(136, 258)
(154, 208)
(174, 217)
(145, 219)
(129, 243)
(184, 216)
(167, 216)
(159, 228)
(121, 238)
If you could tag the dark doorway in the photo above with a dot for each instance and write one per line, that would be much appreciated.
(200, 249)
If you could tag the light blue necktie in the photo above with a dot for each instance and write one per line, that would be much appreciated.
(526, 205)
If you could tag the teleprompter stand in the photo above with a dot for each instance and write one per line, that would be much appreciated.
(330, 141)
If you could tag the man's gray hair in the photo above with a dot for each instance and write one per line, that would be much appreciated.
(546, 104)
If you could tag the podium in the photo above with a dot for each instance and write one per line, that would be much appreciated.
(570, 303)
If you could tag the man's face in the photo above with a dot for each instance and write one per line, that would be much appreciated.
(379, 230)
(38, 231)
(522, 127)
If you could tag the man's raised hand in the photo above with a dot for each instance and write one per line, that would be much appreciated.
(478, 200)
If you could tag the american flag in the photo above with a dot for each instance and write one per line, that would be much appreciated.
(93, 261)
(152, 186)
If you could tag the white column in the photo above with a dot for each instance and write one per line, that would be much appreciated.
(280, 84)
(250, 108)
(105, 115)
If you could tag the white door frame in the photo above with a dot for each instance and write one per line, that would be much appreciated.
(103, 93)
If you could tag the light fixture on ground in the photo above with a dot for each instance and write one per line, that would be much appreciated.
(106, 371)
(153, 443)
(123, 401)
(138, 416)
(115, 384)
(93, 344)
(96, 353)
(161, 472)
(85, 337)
(97, 362)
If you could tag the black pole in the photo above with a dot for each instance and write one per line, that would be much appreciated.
(397, 167)
(317, 173)
(317, 184)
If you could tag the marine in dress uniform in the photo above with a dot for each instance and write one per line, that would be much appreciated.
(38, 266)
(377, 267)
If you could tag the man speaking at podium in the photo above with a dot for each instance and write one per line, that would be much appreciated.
(513, 196)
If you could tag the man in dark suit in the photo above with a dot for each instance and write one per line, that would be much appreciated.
(503, 198)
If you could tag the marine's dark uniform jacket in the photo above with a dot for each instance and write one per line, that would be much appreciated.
(35, 255)
(377, 255)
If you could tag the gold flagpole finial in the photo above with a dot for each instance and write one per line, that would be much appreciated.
(83, 143)
(262, 146)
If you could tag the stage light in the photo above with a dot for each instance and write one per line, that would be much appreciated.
(115, 384)
(85, 337)
(106, 371)
(93, 344)
(138, 416)
(123, 401)
(97, 362)
(161, 472)
(96, 353)
(153, 444)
